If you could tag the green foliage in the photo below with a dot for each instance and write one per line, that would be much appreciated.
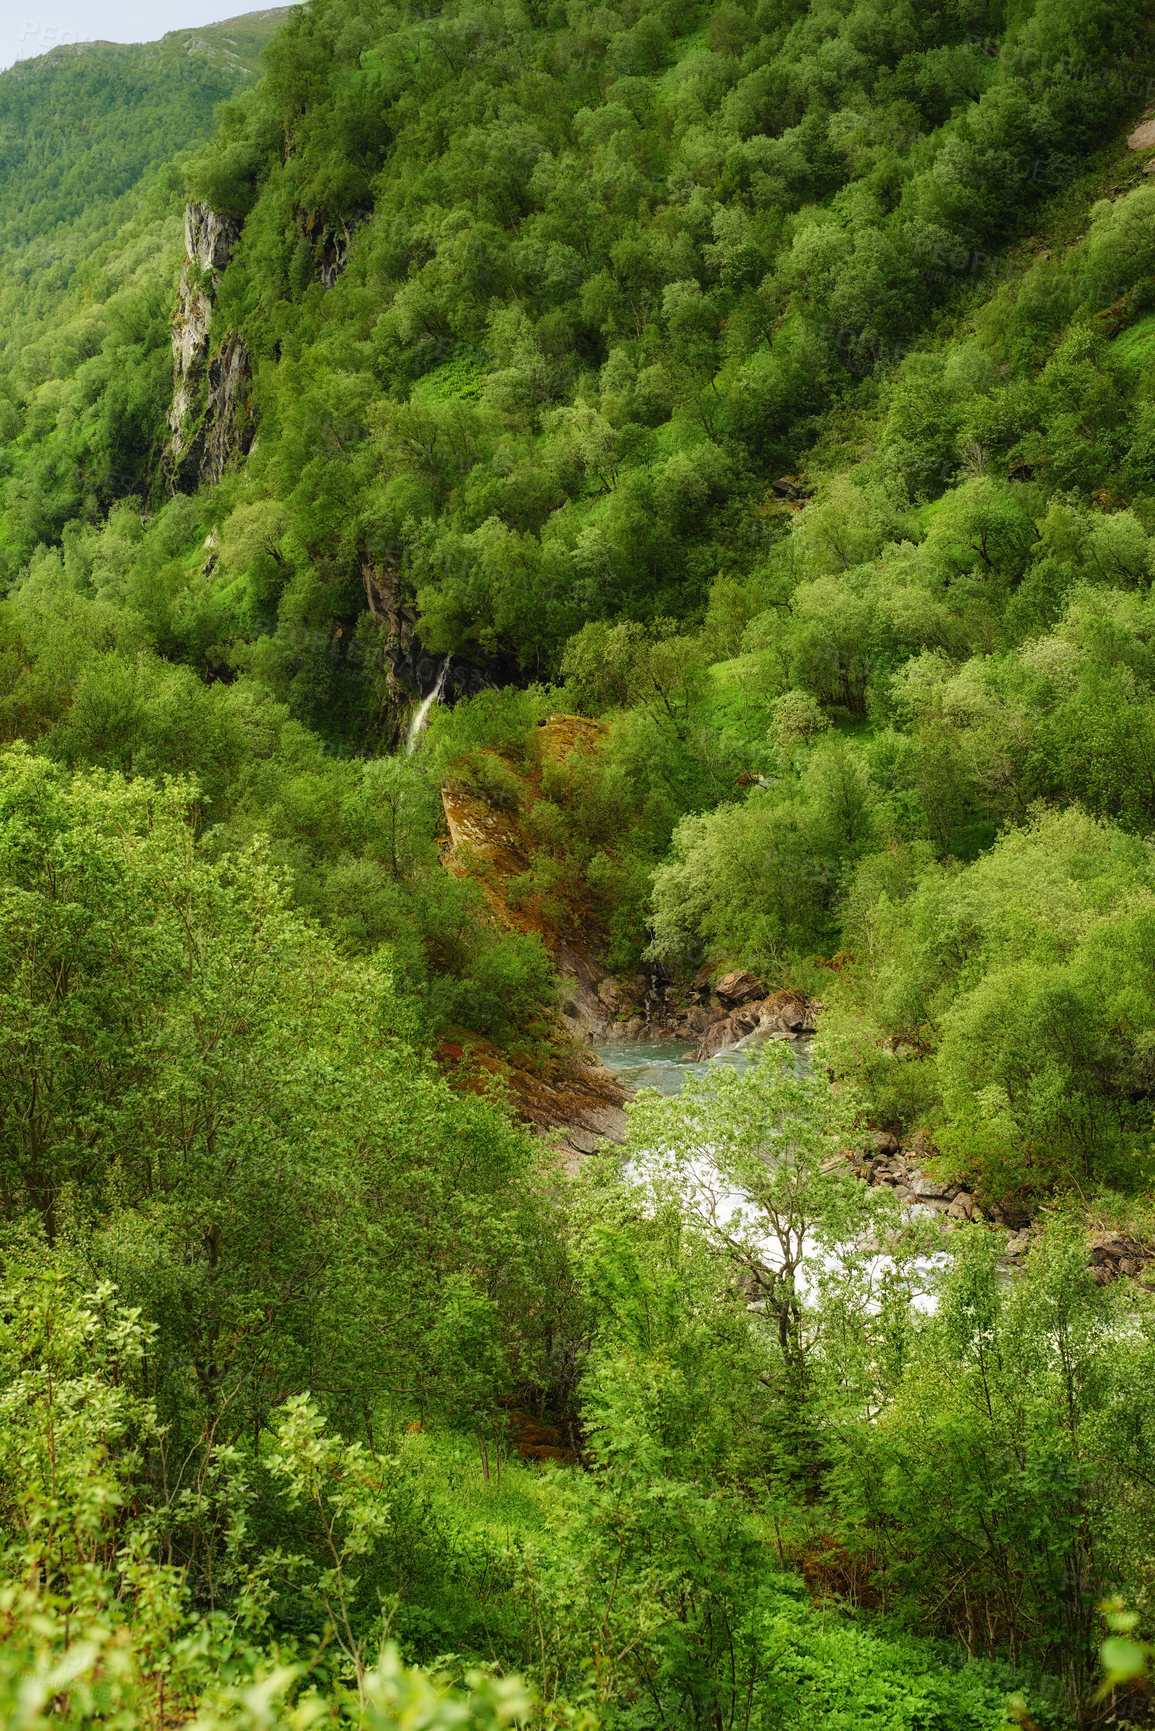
(96, 1629)
(707, 1415)
(1019, 983)
(691, 361)
(140, 106)
(89, 236)
(994, 1479)
(170, 1029)
(253, 1591)
(759, 880)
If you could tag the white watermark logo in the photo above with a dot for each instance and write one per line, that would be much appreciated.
(39, 37)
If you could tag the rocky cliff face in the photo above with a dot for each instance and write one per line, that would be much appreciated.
(210, 419)
(574, 1093)
(330, 242)
(491, 841)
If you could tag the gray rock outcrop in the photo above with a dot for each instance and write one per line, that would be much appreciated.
(210, 417)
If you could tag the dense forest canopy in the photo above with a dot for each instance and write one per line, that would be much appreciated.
(741, 418)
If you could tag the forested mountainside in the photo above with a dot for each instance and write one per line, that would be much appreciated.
(550, 520)
(90, 136)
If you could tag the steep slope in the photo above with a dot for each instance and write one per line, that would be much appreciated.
(577, 330)
(581, 323)
(90, 196)
(705, 361)
(742, 420)
(83, 124)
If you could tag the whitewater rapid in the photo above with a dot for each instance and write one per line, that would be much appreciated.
(664, 1067)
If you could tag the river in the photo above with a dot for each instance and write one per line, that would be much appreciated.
(664, 1066)
(659, 1065)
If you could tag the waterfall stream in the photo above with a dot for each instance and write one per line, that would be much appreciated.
(417, 724)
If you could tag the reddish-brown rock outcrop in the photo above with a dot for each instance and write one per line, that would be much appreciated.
(576, 1096)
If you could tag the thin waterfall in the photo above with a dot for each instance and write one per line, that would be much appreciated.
(419, 720)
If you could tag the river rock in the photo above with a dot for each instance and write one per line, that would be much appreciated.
(1117, 1253)
(738, 987)
(963, 1208)
(920, 1147)
(782, 1012)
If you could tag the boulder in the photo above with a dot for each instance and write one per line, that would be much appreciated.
(700, 984)
(782, 1012)
(1117, 1253)
(962, 1208)
(930, 1190)
(789, 487)
(738, 987)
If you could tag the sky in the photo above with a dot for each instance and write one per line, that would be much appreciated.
(31, 27)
